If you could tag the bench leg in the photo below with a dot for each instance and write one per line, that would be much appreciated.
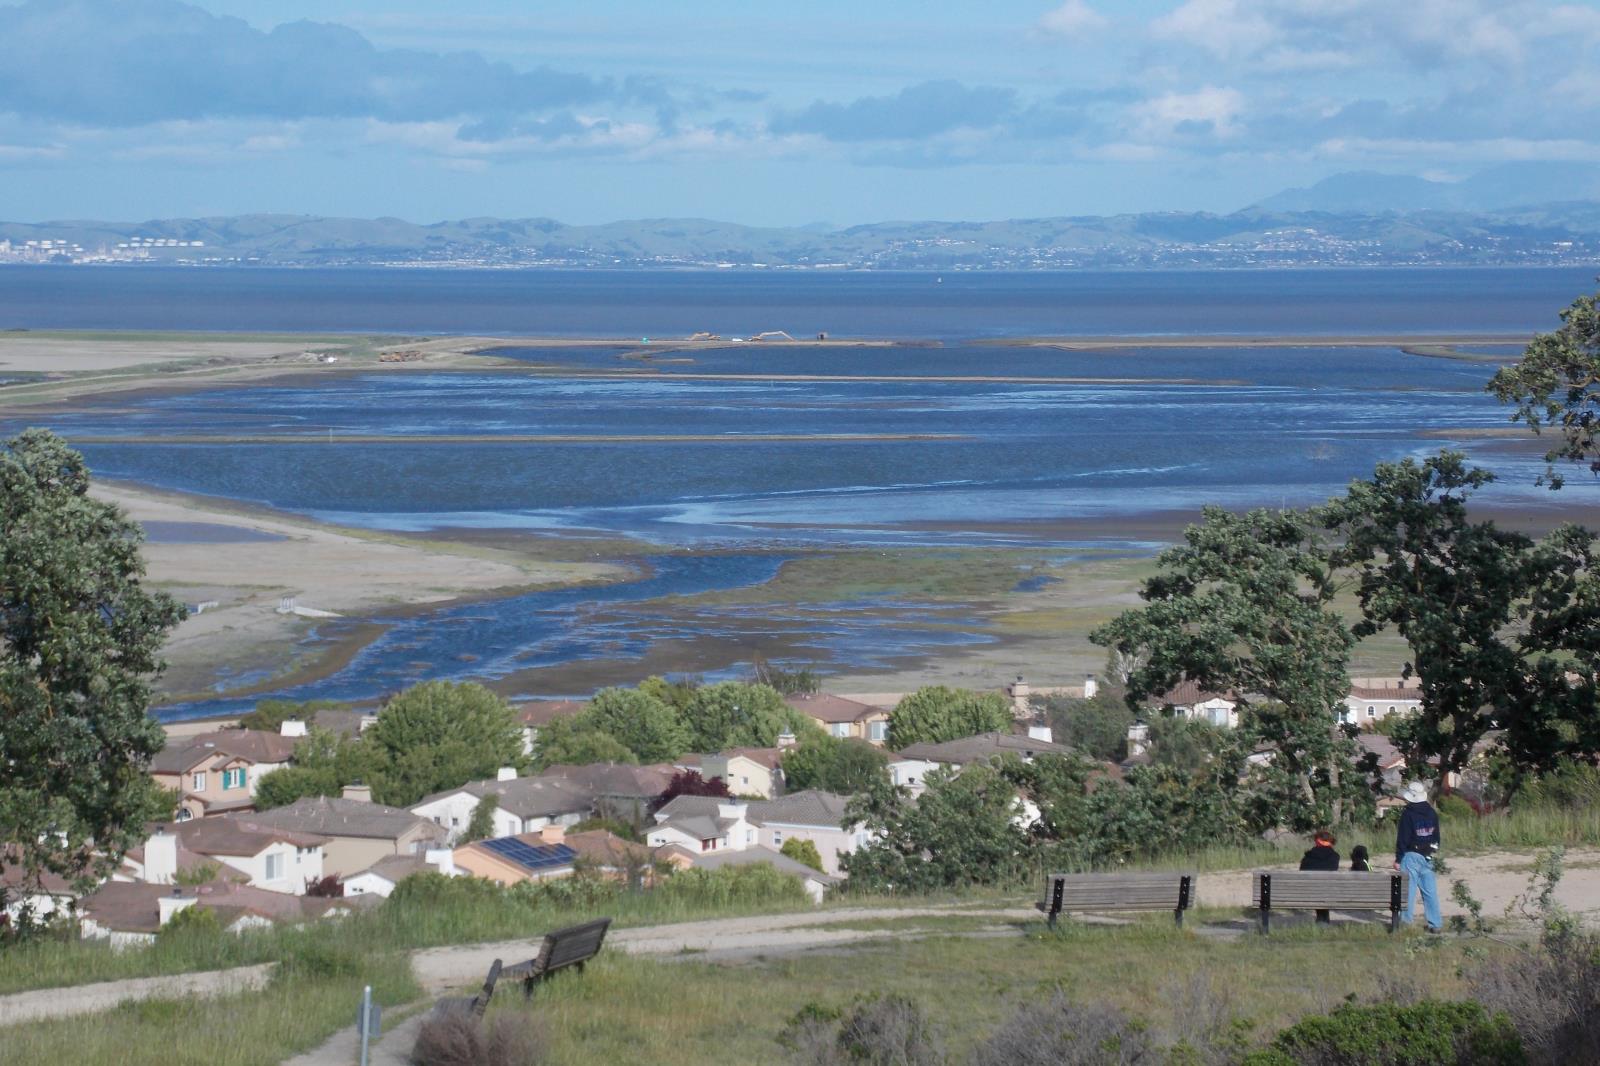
(1177, 917)
(1394, 921)
(1266, 921)
(1051, 920)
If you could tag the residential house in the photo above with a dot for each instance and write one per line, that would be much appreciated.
(522, 805)
(381, 877)
(511, 860)
(749, 772)
(1372, 699)
(844, 718)
(358, 832)
(700, 824)
(811, 815)
(626, 793)
(281, 860)
(911, 766)
(51, 895)
(536, 714)
(604, 853)
(218, 772)
(1191, 701)
(129, 913)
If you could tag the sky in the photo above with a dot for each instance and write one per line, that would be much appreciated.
(750, 111)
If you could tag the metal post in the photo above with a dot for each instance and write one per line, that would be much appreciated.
(1396, 898)
(366, 1021)
(1183, 900)
(1266, 904)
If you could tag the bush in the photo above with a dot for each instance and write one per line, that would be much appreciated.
(757, 883)
(1059, 1032)
(890, 1031)
(1453, 806)
(802, 851)
(192, 921)
(1551, 996)
(1429, 1033)
(455, 1037)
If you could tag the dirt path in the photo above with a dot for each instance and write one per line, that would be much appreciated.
(90, 999)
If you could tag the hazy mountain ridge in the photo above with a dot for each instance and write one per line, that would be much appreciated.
(1260, 235)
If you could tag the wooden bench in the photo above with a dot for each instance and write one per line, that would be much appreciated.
(1345, 890)
(572, 946)
(1173, 892)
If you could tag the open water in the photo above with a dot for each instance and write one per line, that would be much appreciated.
(1144, 430)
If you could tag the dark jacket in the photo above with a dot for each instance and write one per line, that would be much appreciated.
(1320, 857)
(1419, 831)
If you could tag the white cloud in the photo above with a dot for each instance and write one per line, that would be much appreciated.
(1210, 111)
(1072, 19)
(1225, 28)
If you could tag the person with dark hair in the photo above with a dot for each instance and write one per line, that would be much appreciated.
(1321, 856)
(1360, 862)
(1416, 844)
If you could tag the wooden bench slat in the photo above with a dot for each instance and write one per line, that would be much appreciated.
(1065, 893)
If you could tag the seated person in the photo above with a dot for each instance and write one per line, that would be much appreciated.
(1359, 860)
(1321, 857)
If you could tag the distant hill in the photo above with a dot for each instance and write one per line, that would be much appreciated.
(1510, 185)
(1430, 229)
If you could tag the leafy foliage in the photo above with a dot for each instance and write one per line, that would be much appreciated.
(647, 726)
(481, 825)
(937, 713)
(802, 851)
(79, 643)
(884, 1031)
(1557, 384)
(803, 681)
(1449, 586)
(323, 764)
(269, 715)
(1385, 1034)
(690, 783)
(1058, 1032)
(732, 714)
(1098, 727)
(439, 734)
(1244, 606)
(834, 765)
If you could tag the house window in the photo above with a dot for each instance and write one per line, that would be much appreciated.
(274, 867)
(233, 778)
(841, 729)
(197, 783)
(777, 838)
(878, 730)
(706, 845)
(1391, 710)
(1372, 712)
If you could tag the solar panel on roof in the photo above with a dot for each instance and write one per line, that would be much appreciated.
(531, 856)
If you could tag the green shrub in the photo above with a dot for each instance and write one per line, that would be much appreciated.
(733, 885)
(887, 1031)
(802, 851)
(1454, 807)
(193, 921)
(1427, 1033)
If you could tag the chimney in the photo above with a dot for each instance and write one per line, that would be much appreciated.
(442, 859)
(506, 773)
(355, 790)
(170, 905)
(1019, 692)
(785, 740)
(1040, 731)
(553, 834)
(1091, 687)
(292, 727)
(161, 857)
(733, 809)
(1138, 738)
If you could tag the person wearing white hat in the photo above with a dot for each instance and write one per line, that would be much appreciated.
(1415, 845)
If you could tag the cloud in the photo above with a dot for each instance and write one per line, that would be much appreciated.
(131, 62)
(924, 110)
(1072, 19)
(1211, 112)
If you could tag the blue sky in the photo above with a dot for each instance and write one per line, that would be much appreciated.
(765, 113)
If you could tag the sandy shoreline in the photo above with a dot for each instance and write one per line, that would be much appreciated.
(324, 570)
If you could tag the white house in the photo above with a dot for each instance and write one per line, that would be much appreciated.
(702, 824)
(811, 815)
(381, 877)
(280, 860)
(522, 805)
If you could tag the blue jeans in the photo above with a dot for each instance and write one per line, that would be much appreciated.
(1420, 869)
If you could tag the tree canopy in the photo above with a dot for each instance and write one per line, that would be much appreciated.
(80, 638)
(1556, 384)
(439, 734)
(644, 724)
(1243, 606)
(936, 713)
(1448, 585)
(732, 714)
(834, 765)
